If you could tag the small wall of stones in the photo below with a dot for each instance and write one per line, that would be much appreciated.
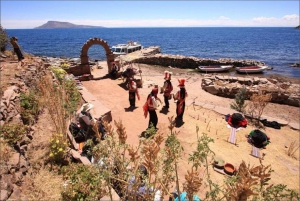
(227, 86)
(191, 62)
(13, 170)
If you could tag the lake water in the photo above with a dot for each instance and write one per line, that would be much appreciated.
(278, 47)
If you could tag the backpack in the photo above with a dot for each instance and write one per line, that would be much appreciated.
(77, 133)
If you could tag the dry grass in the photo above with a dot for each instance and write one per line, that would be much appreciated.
(43, 185)
(292, 149)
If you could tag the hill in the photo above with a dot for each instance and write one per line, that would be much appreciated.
(58, 25)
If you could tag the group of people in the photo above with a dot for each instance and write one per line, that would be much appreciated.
(153, 101)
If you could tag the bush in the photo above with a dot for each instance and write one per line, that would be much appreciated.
(58, 147)
(29, 107)
(13, 133)
(240, 98)
(83, 182)
(4, 41)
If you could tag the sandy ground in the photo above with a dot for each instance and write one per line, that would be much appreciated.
(114, 95)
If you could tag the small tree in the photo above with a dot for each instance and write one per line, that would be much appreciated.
(258, 103)
(240, 98)
(3, 39)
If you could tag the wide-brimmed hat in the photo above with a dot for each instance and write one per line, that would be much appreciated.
(86, 107)
(181, 82)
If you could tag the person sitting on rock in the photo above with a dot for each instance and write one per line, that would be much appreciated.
(85, 122)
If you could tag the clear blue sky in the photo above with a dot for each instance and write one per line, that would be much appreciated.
(30, 14)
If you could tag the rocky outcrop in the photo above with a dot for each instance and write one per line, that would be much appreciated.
(191, 62)
(227, 86)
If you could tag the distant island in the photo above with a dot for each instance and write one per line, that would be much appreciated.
(59, 25)
(298, 27)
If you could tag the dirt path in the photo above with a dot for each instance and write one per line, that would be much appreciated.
(114, 95)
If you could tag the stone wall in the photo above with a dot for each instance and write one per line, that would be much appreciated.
(191, 62)
(227, 86)
(13, 170)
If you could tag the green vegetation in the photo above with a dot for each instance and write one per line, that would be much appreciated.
(12, 133)
(240, 98)
(58, 147)
(4, 40)
(29, 107)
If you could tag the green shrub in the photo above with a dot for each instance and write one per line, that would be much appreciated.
(13, 132)
(73, 94)
(4, 41)
(240, 98)
(58, 147)
(65, 66)
(83, 182)
(29, 107)
(59, 73)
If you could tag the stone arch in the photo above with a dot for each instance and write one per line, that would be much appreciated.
(96, 41)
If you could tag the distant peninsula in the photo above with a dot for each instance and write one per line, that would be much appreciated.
(60, 25)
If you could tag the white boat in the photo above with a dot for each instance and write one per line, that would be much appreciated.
(123, 49)
(251, 69)
(217, 68)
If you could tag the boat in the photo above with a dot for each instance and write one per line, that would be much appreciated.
(217, 68)
(123, 49)
(251, 69)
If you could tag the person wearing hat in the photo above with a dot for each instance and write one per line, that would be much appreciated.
(150, 107)
(180, 96)
(17, 49)
(85, 122)
(133, 91)
(167, 88)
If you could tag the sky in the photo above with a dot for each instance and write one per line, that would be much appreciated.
(113, 14)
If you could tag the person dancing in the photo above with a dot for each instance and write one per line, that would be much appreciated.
(133, 91)
(167, 88)
(180, 96)
(150, 107)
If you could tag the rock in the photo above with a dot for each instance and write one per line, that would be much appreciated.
(211, 89)
(294, 126)
(3, 195)
(16, 194)
(14, 160)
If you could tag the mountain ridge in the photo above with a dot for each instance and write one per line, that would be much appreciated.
(58, 25)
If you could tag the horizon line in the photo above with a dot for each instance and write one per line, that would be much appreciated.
(101, 27)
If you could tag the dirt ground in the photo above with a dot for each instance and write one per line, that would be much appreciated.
(114, 95)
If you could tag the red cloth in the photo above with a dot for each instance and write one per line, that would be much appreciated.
(242, 123)
(145, 108)
(180, 107)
